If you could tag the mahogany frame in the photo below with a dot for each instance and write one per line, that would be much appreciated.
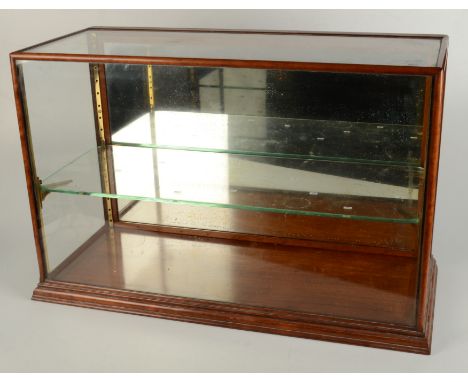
(366, 333)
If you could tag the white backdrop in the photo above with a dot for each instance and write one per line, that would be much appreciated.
(35, 336)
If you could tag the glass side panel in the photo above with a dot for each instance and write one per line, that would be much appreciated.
(257, 183)
(373, 50)
(58, 100)
(67, 224)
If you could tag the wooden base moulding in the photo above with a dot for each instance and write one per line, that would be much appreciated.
(254, 319)
(357, 300)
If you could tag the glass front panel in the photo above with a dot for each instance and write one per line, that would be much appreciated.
(308, 159)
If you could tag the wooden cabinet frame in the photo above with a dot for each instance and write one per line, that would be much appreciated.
(415, 339)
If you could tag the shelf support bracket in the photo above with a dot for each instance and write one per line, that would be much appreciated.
(149, 70)
(103, 154)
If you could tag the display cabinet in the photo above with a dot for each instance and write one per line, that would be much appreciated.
(281, 182)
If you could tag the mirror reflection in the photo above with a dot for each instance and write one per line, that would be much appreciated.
(291, 141)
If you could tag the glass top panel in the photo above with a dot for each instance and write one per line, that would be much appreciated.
(345, 49)
(249, 182)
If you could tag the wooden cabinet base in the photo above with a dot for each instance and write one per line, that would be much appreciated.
(320, 327)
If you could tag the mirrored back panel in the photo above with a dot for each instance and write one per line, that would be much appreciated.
(275, 146)
(310, 114)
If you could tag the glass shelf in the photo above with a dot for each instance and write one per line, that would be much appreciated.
(246, 182)
(388, 144)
